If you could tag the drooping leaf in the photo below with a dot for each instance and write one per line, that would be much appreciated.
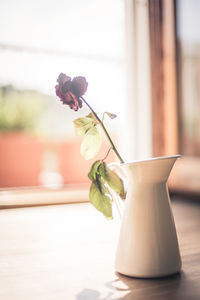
(94, 170)
(91, 143)
(82, 125)
(92, 116)
(112, 116)
(101, 200)
(112, 179)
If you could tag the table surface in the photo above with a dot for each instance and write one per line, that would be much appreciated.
(66, 252)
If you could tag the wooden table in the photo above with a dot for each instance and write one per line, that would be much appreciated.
(66, 252)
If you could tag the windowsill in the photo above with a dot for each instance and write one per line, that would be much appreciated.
(32, 196)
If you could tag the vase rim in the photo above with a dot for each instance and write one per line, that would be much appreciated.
(152, 159)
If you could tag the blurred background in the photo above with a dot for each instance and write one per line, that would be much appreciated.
(38, 41)
(113, 44)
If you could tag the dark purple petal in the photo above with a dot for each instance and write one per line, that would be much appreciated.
(62, 78)
(69, 91)
(79, 86)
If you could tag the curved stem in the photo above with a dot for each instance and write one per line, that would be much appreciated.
(111, 142)
(105, 131)
(102, 160)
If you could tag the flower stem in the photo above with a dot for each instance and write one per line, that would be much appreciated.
(102, 160)
(105, 130)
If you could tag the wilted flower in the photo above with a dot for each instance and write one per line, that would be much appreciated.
(70, 91)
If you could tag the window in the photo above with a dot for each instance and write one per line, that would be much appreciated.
(38, 40)
(105, 41)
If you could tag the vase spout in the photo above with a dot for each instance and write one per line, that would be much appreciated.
(154, 169)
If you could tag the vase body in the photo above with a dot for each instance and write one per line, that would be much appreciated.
(148, 245)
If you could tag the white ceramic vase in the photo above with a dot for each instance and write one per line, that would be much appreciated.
(148, 245)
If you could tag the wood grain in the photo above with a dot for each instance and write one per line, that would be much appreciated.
(66, 252)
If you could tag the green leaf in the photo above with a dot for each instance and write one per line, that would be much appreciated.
(91, 143)
(82, 125)
(94, 170)
(112, 179)
(112, 116)
(100, 200)
(92, 116)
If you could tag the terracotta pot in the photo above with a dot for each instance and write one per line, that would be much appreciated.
(20, 159)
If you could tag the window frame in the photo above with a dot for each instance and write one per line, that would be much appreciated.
(185, 177)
